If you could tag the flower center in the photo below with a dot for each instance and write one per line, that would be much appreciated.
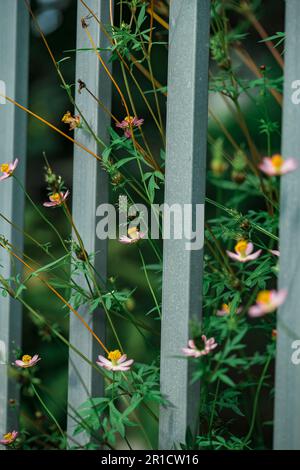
(241, 247)
(56, 197)
(26, 358)
(129, 119)
(114, 356)
(8, 436)
(226, 308)
(66, 117)
(277, 161)
(264, 297)
(5, 168)
(133, 232)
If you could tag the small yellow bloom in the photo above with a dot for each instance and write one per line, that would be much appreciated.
(66, 117)
(9, 438)
(56, 199)
(8, 169)
(226, 308)
(74, 121)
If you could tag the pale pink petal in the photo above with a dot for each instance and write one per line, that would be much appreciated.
(4, 176)
(19, 363)
(210, 341)
(290, 164)
(253, 256)
(204, 339)
(267, 167)
(13, 166)
(256, 311)
(249, 248)
(122, 359)
(104, 361)
(50, 204)
(122, 124)
(222, 313)
(234, 256)
(191, 352)
(279, 297)
(137, 122)
(191, 344)
(127, 363)
(127, 133)
(188, 351)
(66, 195)
(275, 252)
(126, 240)
(121, 368)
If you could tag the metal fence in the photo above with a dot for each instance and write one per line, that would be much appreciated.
(185, 183)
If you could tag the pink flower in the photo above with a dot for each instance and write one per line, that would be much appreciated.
(225, 310)
(243, 252)
(115, 362)
(276, 165)
(193, 351)
(27, 361)
(134, 235)
(57, 199)
(9, 438)
(128, 123)
(7, 169)
(267, 301)
(275, 252)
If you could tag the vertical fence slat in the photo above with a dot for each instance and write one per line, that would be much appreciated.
(13, 72)
(287, 388)
(185, 184)
(90, 188)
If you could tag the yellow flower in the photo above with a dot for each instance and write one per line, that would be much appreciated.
(226, 308)
(74, 121)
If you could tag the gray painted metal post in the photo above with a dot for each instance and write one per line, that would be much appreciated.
(185, 184)
(14, 44)
(90, 188)
(287, 388)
